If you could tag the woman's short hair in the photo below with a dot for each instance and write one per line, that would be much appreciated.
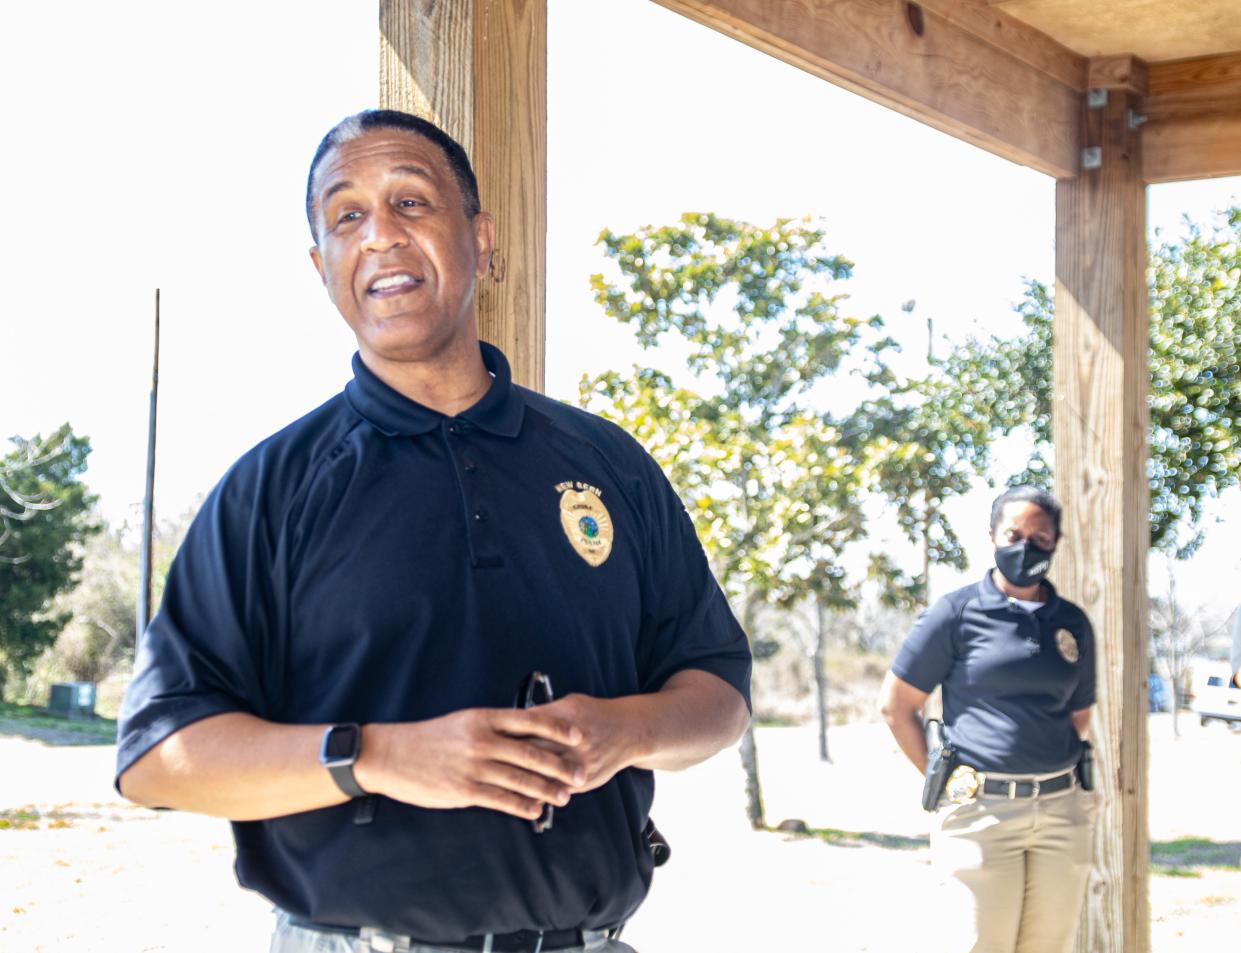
(1027, 494)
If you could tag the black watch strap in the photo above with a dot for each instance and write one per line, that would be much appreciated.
(340, 749)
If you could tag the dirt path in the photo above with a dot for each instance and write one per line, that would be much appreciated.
(81, 870)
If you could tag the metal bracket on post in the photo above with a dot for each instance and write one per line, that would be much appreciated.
(1096, 98)
(1092, 158)
(1134, 118)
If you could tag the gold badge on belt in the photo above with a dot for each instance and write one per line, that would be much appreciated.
(962, 784)
(1067, 645)
(585, 521)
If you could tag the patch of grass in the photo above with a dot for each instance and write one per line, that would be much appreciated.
(775, 721)
(14, 719)
(1162, 871)
(1195, 852)
(19, 819)
(832, 835)
(31, 819)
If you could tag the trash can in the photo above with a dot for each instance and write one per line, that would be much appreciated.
(72, 700)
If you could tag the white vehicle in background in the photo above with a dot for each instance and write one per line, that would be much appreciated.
(1216, 698)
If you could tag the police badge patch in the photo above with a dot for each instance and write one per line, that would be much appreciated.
(1067, 646)
(585, 521)
(962, 784)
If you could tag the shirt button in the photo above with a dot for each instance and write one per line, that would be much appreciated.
(481, 514)
(470, 466)
(454, 428)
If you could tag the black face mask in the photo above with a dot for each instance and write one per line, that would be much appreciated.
(1023, 564)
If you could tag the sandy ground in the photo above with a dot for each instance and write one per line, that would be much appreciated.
(81, 870)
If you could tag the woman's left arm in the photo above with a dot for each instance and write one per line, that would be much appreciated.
(1081, 721)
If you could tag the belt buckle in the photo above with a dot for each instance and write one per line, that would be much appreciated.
(527, 941)
(1034, 786)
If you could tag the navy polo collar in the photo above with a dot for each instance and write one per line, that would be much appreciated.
(499, 411)
(990, 597)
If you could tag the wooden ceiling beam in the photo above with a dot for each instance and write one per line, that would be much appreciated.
(1118, 72)
(927, 65)
(1193, 119)
(1018, 39)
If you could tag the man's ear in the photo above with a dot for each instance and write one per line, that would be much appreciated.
(318, 262)
(484, 241)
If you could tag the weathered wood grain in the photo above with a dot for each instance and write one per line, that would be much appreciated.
(478, 69)
(922, 64)
(1100, 425)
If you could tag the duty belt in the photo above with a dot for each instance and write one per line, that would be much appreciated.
(1013, 788)
(522, 941)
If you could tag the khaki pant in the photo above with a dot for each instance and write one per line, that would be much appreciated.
(289, 938)
(1014, 872)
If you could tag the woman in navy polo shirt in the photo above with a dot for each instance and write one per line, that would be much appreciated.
(1012, 835)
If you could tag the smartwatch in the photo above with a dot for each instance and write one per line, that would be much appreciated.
(340, 749)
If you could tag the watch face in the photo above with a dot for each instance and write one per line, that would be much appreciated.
(341, 743)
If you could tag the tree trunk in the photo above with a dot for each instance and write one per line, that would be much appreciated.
(820, 681)
(1175, 648)
(749, 748)
(753, 792)
(926, 547)
(1176, 675)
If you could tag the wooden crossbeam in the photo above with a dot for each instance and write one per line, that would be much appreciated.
(1193, 119)
(1010, 35)
(932, 66)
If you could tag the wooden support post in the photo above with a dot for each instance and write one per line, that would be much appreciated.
(510, 139)
(1100, 427)
(478, 69)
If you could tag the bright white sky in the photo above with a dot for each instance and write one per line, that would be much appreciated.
(159, 144)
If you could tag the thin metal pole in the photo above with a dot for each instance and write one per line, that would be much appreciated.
(148, 502)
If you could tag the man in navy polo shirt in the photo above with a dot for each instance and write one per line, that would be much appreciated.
(334, 664)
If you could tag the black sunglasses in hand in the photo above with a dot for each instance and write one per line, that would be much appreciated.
(536, 689)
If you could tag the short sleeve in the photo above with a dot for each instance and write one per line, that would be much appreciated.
(200, 656)
(686, 620)
(928, 652)
(1084, 693)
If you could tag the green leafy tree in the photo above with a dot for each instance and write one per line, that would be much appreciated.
(923, 442)
(1195, 375)
(104, 604)
(820, 517)
(760, 323)
(45, 517)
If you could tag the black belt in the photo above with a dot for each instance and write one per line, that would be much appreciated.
(1016, 789)
(523, 941)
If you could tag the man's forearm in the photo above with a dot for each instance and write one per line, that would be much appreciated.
(910, 735)
(692, 717)
(235, 766)
(243, 768)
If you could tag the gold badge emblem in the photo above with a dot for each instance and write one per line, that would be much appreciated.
(962, 784)
(1067, 646)
(585, 521)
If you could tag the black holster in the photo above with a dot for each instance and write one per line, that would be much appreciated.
(1085, 767)
(656, 843)
(941, 759)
